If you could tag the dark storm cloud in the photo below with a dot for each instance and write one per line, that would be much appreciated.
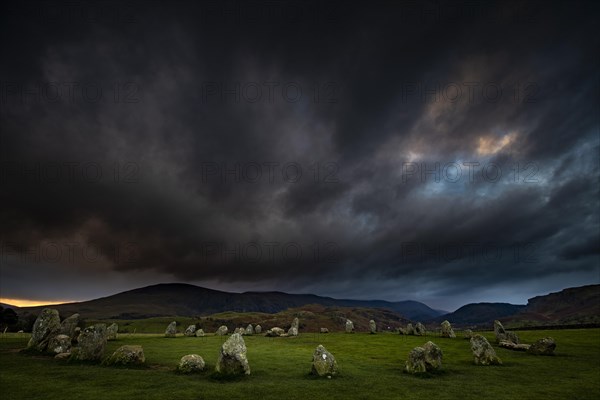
(312, 174)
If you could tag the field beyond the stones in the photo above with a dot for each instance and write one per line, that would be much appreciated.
(370, 367)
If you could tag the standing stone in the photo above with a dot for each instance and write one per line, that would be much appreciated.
(402, 331)
(222, 331)
(502, 334)
(324, 363)
(200, 333)
(232, 358)
(190, 331)
(59, 344)
(483, 353)
(111, 332)
(293, 331)
(468, 334)
(372, 327)
(416, 361)
(191, 363)
(447, 330)
(69, 325)
(422, 359)
(324, 330)
(543, 347)
(349, 326)
(409, 329)
(76, 335)
(171, 330)
(249, 330)
(46, 326)
(127, 355)
(433, 356)
(241, 331)
(420, 329)
(92, 342)
(258, 329)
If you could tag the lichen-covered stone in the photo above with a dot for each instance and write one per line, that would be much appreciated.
(249, 330)
(447, 330)
(324, 363)
(222, 331)
(241, 331)
(483, 353)
(433, 356)
(410, 330)
(543, 347)
(171, 330)
(258, 329)
(324, 330)
(416, 361)
(232, 358)
(91, 343)
(111, 331)
(190, 330)
(420, 329)
(127, 355)
(69, 326)
(293, 331)
(59, 344)
(63, 356)
(349, 326)
(46, 326)
(372, 327)
(200, 333)
(468, 334)
(190, 364)
(512, 346)
(426, 358)
(502, 334)
(275, 332)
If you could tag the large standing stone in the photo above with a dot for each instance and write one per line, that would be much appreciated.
(483, 353)
(171, 330)
(293, 331)
(544, 347)
(349, 326)
(275, 332)
(59, 344)
(447, 330)
(258, 329)
(249, 330)
(420, 329)
(69, 325)
(191, 363)
(127, 355)
(422, 359)
(200, 333)
(502, 334)
(410, 330)
(46, 326)
(222, 331)
(372, 327)
(92, 343)
(111, 331)
(232, 359)
(190, 330)
(324, 363)
(433, 356)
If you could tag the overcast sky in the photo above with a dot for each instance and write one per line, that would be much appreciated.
(438, 151)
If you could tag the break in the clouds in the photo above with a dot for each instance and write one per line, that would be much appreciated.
(442, 152)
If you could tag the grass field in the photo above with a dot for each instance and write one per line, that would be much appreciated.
(370, 367)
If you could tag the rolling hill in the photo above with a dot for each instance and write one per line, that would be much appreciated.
(189, 300)
(480, 313)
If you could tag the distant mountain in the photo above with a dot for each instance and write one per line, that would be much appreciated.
(480, 313)
(569, 306)
(189, 300)
(4, 305)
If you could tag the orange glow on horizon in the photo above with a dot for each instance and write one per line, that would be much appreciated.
(31, 303)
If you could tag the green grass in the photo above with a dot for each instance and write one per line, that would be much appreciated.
(370, 367)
